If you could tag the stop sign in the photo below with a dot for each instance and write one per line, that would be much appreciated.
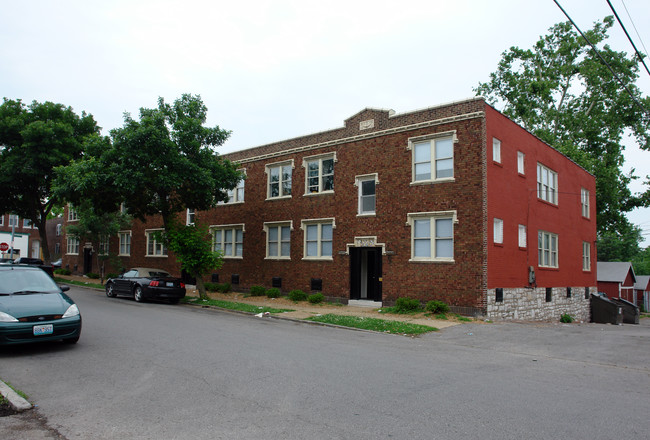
(4, 247)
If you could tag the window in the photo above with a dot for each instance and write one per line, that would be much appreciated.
(319, 236)
(433, 158)
(14, 220)
(279, 180)
(278, 240)
(155, 245)
(73, 245)
(27, 224)
(57, 248)
(521, 161)
(522, 236)
(498, 231)
(189, 216)
(432, 236)
(58, 229)
(123, 209)
(586, 256)
(496, 150)
(319, 173)
(547, 249)
(584, 201)
(236, 195)
(367, 194)
(72, 214)
(229, 240)
(103, 246)
(125, 243)
(2, 220)
(546, 184)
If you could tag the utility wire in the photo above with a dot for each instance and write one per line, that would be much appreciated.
(628, 36)
(634, 26)
(603, 60)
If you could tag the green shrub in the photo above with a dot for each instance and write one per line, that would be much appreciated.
(566, 318)
(212, 287)
(273, 292)
(112, 275)
(437, 307)
(258, 291)
(403, 305)
(62, 271)
(94, 276)
(224, 287)
(297, 295)
(316, 298)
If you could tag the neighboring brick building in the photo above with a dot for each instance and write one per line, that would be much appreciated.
(454, 202)
(27, 239)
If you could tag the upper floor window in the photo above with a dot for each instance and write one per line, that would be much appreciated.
(125, 243)
(103, 246)
(72, 245)
(433, 157)
(2, 220)
(58, 229)
(496, 150)
(27, 223)
(155, 245)
(236, 195)
(586, 256)
(498, 231)
(522, 236)
(367, 185)
(546, 184)
(432, 236)
(57, 248)
(319, 171)
(278, 240)
(279, 177)
(547, 249)
(14, 220)
(319, 236)
(189, 216)
(521, 162)
(72, 214)
(229, 240)
(584, 202)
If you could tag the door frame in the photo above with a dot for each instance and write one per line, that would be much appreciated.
(366, 261)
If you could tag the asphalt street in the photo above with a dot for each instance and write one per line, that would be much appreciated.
(155, 371)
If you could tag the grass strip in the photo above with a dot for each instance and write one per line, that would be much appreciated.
(374, 324)
(230, 305)
(78, 283)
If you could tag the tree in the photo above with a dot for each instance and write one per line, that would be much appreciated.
(34, 140)
(563, 93)
(160, 165)
(641, 262)
(619, 246)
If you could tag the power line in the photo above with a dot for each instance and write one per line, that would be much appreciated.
(628, 37)
(634, 26)
(603, 60)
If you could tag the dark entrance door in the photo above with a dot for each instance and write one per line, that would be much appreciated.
(88, 260)
(365, 273)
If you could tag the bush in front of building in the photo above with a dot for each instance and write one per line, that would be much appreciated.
(566, 318)
(273, 292)
(407, 305)
(316, 298)
(63, 271)
(436, 307)
(258, 291)
(297, 295)
(92, 275)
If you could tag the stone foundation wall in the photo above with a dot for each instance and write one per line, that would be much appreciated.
(530, 304)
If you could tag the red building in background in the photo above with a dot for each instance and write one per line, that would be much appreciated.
(454, 203)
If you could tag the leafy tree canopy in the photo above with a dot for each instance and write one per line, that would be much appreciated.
(34, 139)
(562, 92)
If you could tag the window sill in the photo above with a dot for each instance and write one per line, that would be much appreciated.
(73, 254)
(317, 259)
(498, 244)
(156, 256)
(554, 269)
(521, 174)
(278, 258)
(412, 260)
(225, 257)
(522, 248)
(545, 202)
(230, 203)
(431, 182)
(270, 199)
(497, 163)
(123, 255)
(322, 193)
(367, 214)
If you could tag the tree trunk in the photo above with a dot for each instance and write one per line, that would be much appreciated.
(41, 225)
(200, 286)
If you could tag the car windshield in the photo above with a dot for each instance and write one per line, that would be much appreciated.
(158, 274)
(26, 281)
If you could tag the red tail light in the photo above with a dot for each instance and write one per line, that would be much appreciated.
(154, 284)
(182, 285)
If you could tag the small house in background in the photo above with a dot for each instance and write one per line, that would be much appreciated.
(617, 280)
(642, 291)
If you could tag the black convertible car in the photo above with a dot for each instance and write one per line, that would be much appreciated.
(144, 283)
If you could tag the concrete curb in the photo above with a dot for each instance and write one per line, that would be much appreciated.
(17, 403)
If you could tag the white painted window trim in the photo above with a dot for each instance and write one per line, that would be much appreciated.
(320, 158)
(234, 227)
(496, 150)
(233, 194)
(72, 214)
(149, 237)
(119, 239)
(103, 248)
(584, 202)
(279, 225)
(2, 220)
(522, 237)
(544, 192)
(357, 182)
(435, 215)
(521, 163)
(14, 220)
(542, 250)
(498, 231)
(190, 216)
(433, 136)
(72, 245)
(267, 171)
(586, 256)
(319, 222)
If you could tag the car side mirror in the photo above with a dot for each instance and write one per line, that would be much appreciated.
(64, 287)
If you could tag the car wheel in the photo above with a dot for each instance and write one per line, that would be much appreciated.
(174, 301)
(137, 294)
(109, 291)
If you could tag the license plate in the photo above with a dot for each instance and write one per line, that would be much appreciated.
(170, 284)
(46, 329)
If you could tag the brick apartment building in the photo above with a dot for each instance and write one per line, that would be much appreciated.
(454, 202)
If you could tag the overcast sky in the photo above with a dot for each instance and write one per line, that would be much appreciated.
(274, 70)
